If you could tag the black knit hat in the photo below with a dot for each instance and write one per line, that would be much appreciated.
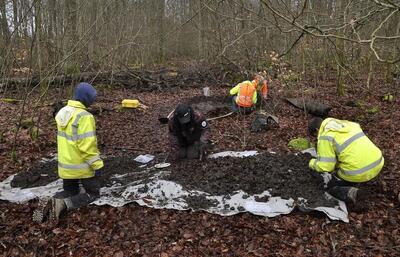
(183, 112)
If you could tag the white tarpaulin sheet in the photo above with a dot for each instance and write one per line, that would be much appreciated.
(163, 194)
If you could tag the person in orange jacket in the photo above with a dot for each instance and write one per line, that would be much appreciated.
(247, 94)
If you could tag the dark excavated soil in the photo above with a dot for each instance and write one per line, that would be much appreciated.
(198, 202)
(286, 176)
(39, 175)
(210, 105)
(45, 173)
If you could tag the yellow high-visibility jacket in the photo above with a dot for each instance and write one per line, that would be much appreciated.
(342, 145)
(236, 91)
(78, 155)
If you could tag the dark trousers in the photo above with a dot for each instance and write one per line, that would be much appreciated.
(71, 192)
(339, 188)
(190, 152)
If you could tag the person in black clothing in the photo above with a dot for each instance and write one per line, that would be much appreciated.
(189, 133)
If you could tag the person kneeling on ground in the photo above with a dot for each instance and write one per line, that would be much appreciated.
(79, 161)
(189, 133)
(345, 150)
(247, 94)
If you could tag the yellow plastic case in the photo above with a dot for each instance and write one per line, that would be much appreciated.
(130, 103)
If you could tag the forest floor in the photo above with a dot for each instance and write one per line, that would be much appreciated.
(132, 230)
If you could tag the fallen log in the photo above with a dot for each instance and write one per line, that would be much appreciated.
(310, 106)
(124, 78)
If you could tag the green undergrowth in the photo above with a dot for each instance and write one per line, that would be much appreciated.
(300, 144)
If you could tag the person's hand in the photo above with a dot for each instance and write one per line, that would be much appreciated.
(202, 150)
(308, 156)
(98, 173)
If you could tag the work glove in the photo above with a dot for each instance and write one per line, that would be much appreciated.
(98, 173)
(307, 156)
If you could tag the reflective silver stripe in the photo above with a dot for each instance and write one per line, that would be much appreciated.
(340, 148)
(327, 159)
(73, 166)
(85, 135)
(366, 168)
(75, 123)
(329, 138)
(65, 135)
(92, 160)
(76, 137)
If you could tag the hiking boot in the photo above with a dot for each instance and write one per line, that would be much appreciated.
(352, 194)
(362, 196)
(356, 200)
(57, 207)
(356, 195)
(42, 211)
(341, 193)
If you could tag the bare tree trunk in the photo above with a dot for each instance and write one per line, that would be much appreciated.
(15, 18)
(341, 53)
(92, 49)
(370, 71)
(71, 35)
(161, 32)
(38, 35)
(5, 31)
(52, 20)
(201, 30)
(51, 31)
(23, 17)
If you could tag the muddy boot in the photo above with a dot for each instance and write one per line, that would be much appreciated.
(342, 193)
(352, 195)
(357, 199)
(57, 207)
(42, 211)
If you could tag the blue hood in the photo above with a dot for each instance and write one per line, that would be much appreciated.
(85, 93)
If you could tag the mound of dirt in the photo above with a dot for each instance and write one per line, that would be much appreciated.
(46, 172)
(211, 105)
(287, 176)
(39, 175)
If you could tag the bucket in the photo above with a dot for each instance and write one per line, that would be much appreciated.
(206, 91)
(130, 103)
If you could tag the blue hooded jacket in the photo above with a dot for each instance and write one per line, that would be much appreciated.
(85, 93)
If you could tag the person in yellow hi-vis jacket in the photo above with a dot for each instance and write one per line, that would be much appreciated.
(345, 150)
(79, 161)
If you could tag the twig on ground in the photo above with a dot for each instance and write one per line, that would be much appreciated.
(232, 136)
(128, 148)
(220, 117)
(333, 244)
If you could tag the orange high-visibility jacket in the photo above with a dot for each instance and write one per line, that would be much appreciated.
(247, 92)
